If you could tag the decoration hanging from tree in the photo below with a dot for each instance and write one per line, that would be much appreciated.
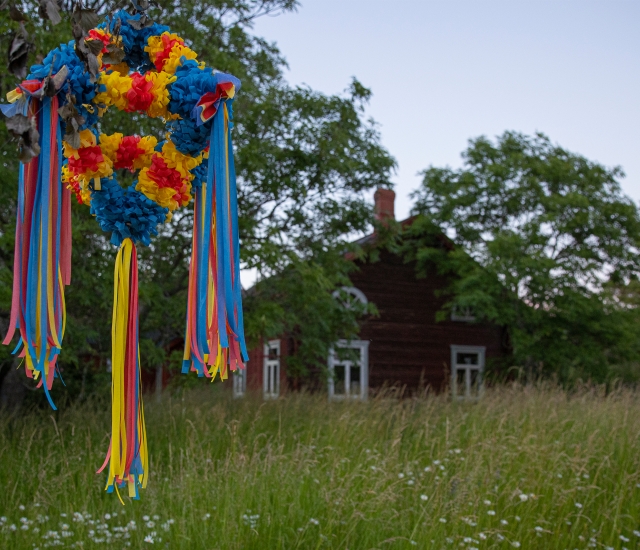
(135, 66)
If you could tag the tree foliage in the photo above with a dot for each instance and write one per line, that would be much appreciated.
(546, 244)
(305, 163)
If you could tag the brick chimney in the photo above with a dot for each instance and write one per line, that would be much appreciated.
(384, 204)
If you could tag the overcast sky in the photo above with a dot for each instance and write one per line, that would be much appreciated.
(442, 72)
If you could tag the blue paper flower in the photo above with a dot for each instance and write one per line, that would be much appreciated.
(126, 213)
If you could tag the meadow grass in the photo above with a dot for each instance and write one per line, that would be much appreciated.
(526, 467)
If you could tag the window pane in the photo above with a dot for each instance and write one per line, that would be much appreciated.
(475, 382)
(460, 382)
(467, 358)
(273, 353)
(269, 380)
(355, 380)
(339, 379)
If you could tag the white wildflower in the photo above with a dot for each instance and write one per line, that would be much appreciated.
(518, 518)
(21, 508)
(482, 536)
(206, 517)
(538, 529)
(443, 520)
(636, 533)
(13, 527)
(424, 497)
(148, 539)
(427, 469)
(624, 539)
(107, 516)
(524, 497)
(145, 518)
(436, 462)
(314, 521)
(400, 475)
(487, 502)
(410, 482)
(24, 527)
(64, 527)
(504, 522)
(413, 543)
(515, 544)
(491, 512)
(578, 505)
(151, 524)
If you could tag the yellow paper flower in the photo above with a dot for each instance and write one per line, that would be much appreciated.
(87, 139)
(160, 81)
(148, 144)
(182, 163)
(156, 44)
(117, 86)
(178, 52)
(110, 144)
(150, 189)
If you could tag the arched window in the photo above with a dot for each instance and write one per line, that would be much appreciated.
(350, 295)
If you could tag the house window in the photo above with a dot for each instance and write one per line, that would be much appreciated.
(349, 370)
(240, 382)
(271, 370)
(464, 314)
(350, 296)
(467, 369)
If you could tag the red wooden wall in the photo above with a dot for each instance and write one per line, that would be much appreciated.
(407, 345)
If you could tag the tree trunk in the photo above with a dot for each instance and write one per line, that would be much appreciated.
(12, 391)
(159, 383)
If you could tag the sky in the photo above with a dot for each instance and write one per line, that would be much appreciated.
(442, 72)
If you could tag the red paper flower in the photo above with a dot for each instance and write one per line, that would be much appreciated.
(128, 152)
(139, 96)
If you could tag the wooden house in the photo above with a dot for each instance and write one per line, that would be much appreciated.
(403, 347)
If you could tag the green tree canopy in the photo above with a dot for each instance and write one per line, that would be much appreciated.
(545, 244)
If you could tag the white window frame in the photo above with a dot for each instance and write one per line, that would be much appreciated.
(271, 368)
(455, 367)
(355, 292)
(363, 346)
(240, 382)
(466, 315)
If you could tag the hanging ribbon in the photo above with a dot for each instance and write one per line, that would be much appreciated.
(127, 455)
(214, 337)
(42, 254)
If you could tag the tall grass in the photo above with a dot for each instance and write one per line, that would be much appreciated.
(524, 467)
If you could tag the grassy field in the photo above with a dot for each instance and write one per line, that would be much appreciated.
(524, 468)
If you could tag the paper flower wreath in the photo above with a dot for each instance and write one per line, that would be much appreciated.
(160, 76)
